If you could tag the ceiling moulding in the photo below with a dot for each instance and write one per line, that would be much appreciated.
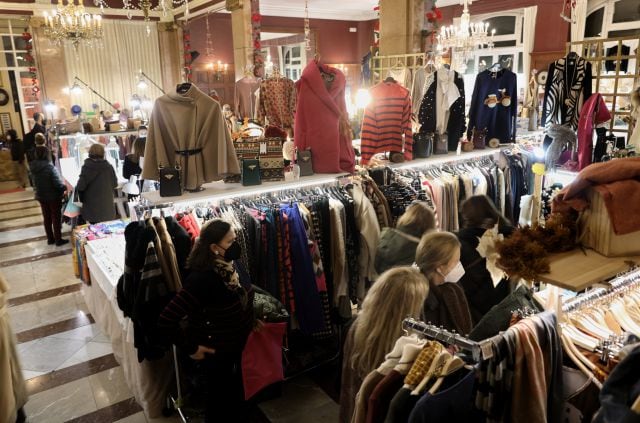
(315, 13)
(37, 9)
(198, 8)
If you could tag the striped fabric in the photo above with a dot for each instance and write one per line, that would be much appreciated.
(386, 120)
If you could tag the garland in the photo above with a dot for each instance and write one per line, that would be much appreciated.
(434, 17)
(186, 45)
(256, 19)
(31, 63)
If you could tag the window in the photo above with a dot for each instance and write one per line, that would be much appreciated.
(14, 69)
(507, 50)
(626, 11)
(593, 26)
(293, 58)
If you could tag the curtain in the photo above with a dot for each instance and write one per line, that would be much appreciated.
(578, 23)
(112, 68)
(528, 41)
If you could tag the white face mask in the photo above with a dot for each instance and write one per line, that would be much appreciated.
(455, 274)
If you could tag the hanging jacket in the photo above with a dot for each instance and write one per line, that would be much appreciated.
(456, 125)
(500, 121)
(594, 112)
(322, 121)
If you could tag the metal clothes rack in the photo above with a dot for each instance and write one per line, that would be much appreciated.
(622, 283)
(441, 334)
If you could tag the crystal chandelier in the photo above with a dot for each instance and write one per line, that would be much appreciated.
(465, 38)
(69, 22)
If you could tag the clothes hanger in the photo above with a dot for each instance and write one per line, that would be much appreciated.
(585, 367)
(436, 368)
(454, 364)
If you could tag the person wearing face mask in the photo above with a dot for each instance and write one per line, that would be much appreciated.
(479, 214)
(438, 258)
(218, 304)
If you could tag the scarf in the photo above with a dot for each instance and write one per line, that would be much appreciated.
(230, 277)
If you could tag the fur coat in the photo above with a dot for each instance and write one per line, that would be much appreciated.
(322, 122)
(192, 121)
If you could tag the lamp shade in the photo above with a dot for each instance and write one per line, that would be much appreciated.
(131, 187)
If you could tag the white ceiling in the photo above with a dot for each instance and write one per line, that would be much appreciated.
(344, 10)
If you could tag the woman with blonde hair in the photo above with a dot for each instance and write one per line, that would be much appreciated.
(398, 245)
(398, 293)
(438, 258)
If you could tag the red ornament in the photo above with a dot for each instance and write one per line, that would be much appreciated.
(256, 17)
(438, 13)
(35, 90)
(256, 44)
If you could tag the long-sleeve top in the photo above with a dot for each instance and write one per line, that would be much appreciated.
(500, 121)
(245, 96)
(567, 88)
(277, 102)
(418, 88)
(386, 120)
(217, 316)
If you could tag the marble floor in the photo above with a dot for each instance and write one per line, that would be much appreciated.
(69, 366)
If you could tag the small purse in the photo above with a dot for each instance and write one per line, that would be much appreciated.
(271, 169)
(422, 145)
(479, 138)
(250, 172)
(304, 161)
(170, 181)
(442, 144)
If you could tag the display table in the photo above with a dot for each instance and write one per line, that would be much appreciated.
(149, 381)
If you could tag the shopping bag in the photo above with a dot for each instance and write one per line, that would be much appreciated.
(262, 358)
(72, 209)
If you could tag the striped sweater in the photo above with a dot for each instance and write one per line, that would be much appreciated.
(215, 315)
(386, 120)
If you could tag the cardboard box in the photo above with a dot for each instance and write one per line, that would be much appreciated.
(596, 231)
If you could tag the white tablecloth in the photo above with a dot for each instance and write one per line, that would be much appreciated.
(149, 381)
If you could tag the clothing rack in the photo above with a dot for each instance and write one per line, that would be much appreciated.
(622, 283)
(441, 334)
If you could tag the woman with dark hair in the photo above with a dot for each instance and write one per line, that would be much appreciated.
(478, 215)
(218, 306)
(49, 190)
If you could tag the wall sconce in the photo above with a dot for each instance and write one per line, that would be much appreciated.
(219, 69)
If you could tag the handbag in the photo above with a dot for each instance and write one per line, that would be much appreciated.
(76, 199)
(303, 159)
(262, 358)
(442, 144)
(170, 181)
(271, 168)
(250, 172)
(479, 137)
(422, 145)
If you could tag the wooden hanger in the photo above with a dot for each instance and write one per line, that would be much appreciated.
(454, 364)
(436, 368)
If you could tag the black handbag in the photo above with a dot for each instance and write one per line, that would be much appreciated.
(170, 181)
(442, 144)
(479, 138)
(422, 145)
(303, 159)
(250, 172)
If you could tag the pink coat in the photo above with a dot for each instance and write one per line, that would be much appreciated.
(594, 112)
(322, 122)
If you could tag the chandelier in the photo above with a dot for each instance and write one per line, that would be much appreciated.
(465, 38)
(69, 22)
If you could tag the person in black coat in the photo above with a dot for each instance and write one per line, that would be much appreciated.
(17, 157)
(95, 187)
(218, 306)
(49, 189)
(478, 215)
(133, 162)
(30, 138)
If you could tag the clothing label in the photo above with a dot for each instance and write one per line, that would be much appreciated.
(487, 350)
(263, 148)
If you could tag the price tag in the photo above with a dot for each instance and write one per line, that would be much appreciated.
(263, 148)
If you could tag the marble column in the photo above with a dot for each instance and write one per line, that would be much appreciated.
(170, 43)
(401, 24)
(241, 29)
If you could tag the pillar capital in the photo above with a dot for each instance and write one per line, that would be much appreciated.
(232, 5)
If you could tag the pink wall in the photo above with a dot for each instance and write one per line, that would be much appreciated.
(221, 36)
(334, 41)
